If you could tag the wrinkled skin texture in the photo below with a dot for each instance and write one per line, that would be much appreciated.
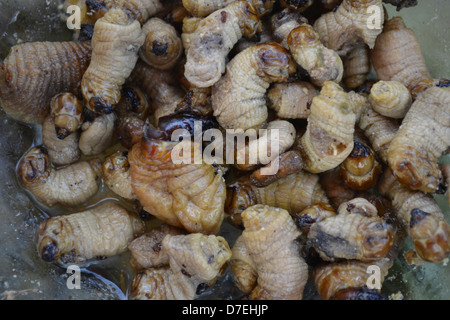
(34, 72)
(270, 238)
(69, 186)
(194, 259)
(356, 66)
(249, 74)
(98, 135)
(412, 157)
(115, 44)
(344, 29)
(189, 196)
(390, 98)
(214, 38)
(102, 231)
(116, 175)
(420, 216)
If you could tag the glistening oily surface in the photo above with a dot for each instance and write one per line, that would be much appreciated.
(23, 275)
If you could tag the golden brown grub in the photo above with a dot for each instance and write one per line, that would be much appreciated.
(413, 157)
(194, 260)
(361, 169)
(397, 56)
(162, 48)
(98, 135)
(214, 38)
(380, 131)
(249, 74)
(351, 236)
(66, 111)
(421, 216)
(329, 136)
(289, 162)
(186, 195)
(60, 151)
(102, 231)
(34, 72)
(291, 100)
(390, 98)
(297, 5)
(278, 133)
(133, 102)
(270, 237)
(312, 214)
(335, 189)
(293, 193)
(69, 186)
(283, 23)
(147, 251)
(356, 66)
(321, 63)
(242, 267)
(344, 29)
(116, 175)
(115, 44)
(360, 206)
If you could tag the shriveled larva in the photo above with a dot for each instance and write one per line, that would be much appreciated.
(351, 236)
(421, 216)
(297, 5)
(356, 66)
(69, 186)
(102, 231)
(162, 48)
(280, 131)
(293, 193)
(289, 162)
(214, 38)
(325, 144)
(291, 100)
(115, 44)
(116, 175)
(242, 267)
(202, 8)
(189, 196)
(335, 189)
(397, 56)
(147, 250)
(361, 170)
(390, 98)
(380, 131)
(249, 74)
(270, 237)
(321, 63)
(348, 26)
(60, 129)
(312, 214)
(413, 157)
(194, 259)
(98, 135)
(283, 23)
(34, 72)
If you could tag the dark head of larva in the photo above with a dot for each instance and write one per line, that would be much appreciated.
(95, 5)
(275, 61)
(443, 83)
(86, 32)
(62, 133)
(159, 48)
(360, 150)
(223, 16)
(363, 293)
(34, 165)
(304, 221)
(48, 249)
(100, 106)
